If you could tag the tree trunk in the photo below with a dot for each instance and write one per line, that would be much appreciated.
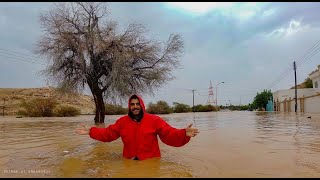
(100, 107)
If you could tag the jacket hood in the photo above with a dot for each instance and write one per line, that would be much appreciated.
(141, 103)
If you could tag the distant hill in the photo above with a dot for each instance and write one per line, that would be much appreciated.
(11, 98)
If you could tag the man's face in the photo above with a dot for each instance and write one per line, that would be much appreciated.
(135, 106)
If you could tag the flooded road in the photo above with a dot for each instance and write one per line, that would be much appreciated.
(230, 144)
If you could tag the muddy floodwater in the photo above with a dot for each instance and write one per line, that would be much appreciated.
(230, 144)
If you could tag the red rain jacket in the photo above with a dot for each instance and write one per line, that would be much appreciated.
(140, 138)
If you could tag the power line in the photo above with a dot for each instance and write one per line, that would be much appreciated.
(20, 56)
(311, 52)
(280, 78)
(20, 59)
(308, 52)
(314, 53)
(32, 56)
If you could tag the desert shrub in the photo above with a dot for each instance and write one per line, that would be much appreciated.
(161, 107)
(204, 108)
(39, 107)
(22, 112)
(64, 111)
(115, 109)
(181, 108)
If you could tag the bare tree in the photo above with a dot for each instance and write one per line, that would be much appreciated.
(83, 47)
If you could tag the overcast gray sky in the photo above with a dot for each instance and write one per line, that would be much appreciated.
(249, 46)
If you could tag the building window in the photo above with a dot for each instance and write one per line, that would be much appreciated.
(316, 84)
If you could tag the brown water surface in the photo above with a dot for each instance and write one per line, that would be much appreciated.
(230, 144)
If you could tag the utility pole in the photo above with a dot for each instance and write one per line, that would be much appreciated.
(193, 100)
(217, 93)
(295, 87)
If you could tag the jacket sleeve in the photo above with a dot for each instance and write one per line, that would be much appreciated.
(170, 135)
(108, 134)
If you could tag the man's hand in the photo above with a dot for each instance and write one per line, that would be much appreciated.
(191, 132)
(83, 130)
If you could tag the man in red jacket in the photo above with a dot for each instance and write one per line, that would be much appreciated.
(138, 131)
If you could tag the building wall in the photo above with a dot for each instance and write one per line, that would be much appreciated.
(312, 104)
(292, 104)
(315, 77)
(286, 103)
(281, 107)
(308, 99)
(281, 95)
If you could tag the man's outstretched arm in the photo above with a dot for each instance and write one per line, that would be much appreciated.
(175, 137)
(108, 134)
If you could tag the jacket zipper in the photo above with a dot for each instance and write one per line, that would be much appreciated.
(137, 144)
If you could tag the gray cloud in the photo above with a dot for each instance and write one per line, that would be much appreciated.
(219, 46)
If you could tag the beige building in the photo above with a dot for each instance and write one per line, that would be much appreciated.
(308, 98)
(315, 77)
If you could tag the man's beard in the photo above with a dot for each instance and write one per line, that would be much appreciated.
(136, 117)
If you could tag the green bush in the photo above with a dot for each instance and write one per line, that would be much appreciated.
(261, 99)
(204, 108)
(244, 107)
(181, 108)
(40, 107)
(161, 107)
(46, 107)
(115, 109)
(22, 113)
(64, 111)
(308, 83)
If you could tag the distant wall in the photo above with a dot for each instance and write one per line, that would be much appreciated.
(312, 104)
(308, 100)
